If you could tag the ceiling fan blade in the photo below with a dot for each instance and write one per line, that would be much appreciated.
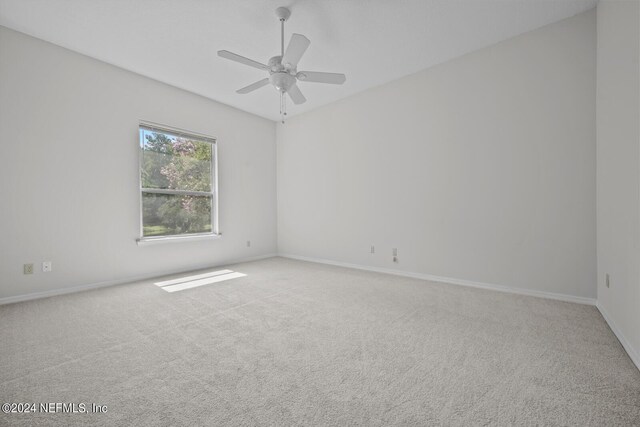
(319, 77)
(254, 86)
(241, 59)
(297, 46)
(296, 96)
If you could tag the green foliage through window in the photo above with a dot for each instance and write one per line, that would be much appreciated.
(177, 184)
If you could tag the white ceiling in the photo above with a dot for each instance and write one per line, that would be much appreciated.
(371, 41)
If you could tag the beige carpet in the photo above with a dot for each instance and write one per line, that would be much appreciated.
(296, 343)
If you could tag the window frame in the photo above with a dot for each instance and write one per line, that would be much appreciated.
(173, 131)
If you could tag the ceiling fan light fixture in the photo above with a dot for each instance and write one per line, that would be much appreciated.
(282, 69)
(282, 81)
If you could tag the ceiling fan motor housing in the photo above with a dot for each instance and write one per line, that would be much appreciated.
(281, 76)
(275, 64)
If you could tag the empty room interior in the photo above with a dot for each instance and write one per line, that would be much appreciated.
(320, 213)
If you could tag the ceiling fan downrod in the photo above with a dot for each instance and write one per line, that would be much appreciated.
(283, 14)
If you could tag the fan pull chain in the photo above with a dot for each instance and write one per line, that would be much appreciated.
(283, 106)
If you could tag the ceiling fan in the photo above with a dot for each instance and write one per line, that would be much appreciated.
(283, 69)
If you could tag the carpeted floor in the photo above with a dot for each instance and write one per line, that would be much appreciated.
(295, 343)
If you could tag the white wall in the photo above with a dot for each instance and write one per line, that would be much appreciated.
(69, 175)
(618, 156)
(481, 169)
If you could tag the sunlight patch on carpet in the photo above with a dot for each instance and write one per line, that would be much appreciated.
(189, 282)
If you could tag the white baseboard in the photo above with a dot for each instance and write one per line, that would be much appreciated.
(429, 277)
(63, 291)
(633, 354)
(450, 280)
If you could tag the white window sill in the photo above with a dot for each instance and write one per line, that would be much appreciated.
(143, 241)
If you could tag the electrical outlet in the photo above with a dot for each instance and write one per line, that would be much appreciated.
(395, 251)
(373, 249)
(46, 266)
(248, 243)
(395, 259)
(607, 279)
(28, 269)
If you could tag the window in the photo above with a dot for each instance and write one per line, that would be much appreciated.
(178, 183)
